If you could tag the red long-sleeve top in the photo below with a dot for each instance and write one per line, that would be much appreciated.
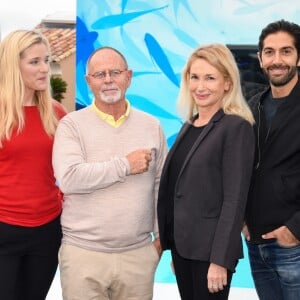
(29, 195)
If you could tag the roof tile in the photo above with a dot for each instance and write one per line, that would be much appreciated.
(62, 41)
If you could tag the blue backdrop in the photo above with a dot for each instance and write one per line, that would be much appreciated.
(156, 37)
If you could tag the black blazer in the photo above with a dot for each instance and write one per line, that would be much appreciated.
(210, 192)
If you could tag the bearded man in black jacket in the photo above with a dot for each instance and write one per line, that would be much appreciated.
(272, 227)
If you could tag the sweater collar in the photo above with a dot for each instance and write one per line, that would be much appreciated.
(109, 118)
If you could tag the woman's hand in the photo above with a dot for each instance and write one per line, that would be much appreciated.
(216, 278)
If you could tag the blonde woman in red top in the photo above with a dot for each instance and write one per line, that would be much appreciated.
(30, 201)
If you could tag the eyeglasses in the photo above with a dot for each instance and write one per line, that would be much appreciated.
(112, 74)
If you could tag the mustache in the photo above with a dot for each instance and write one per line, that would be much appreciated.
(108, 87)
(278, 67)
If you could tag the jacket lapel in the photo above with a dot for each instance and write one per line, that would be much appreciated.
(200, 138)
(182, 133)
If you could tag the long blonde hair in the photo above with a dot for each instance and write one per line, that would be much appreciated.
(220, 57)
(12, 86)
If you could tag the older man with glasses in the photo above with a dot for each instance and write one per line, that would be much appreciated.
(108, 159)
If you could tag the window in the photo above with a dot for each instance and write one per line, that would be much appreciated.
(252, 78)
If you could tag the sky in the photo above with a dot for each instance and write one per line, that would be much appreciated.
(26, 14)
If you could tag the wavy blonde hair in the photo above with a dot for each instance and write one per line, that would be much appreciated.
(220, 57)
(12, 86)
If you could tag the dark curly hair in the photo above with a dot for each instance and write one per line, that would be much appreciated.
(292, 29)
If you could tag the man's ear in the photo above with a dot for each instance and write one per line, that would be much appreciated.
(259, 59)
(129, 77)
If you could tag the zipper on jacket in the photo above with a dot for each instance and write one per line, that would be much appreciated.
(258, 137)
(267, 136)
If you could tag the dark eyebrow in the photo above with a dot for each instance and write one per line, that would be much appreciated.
(268, 48)
(282, 48)
(287, 48)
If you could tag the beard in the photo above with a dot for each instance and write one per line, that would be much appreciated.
(281, 80)
(110, 99)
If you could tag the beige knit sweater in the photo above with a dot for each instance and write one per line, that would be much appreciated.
(105, 208)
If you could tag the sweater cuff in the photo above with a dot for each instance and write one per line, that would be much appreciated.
(127, 165)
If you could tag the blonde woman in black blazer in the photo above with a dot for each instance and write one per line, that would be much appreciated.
(204, 184)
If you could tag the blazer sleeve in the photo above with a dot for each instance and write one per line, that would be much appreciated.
(237, 163)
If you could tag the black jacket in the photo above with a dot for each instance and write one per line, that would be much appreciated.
(274, 195)
(210, 192)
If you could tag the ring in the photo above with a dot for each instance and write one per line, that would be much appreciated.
(214, 286)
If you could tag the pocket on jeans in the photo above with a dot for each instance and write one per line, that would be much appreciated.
(288, 247)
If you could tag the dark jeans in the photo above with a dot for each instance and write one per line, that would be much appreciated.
(275, 271)
(191, 277)
(28, 260)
